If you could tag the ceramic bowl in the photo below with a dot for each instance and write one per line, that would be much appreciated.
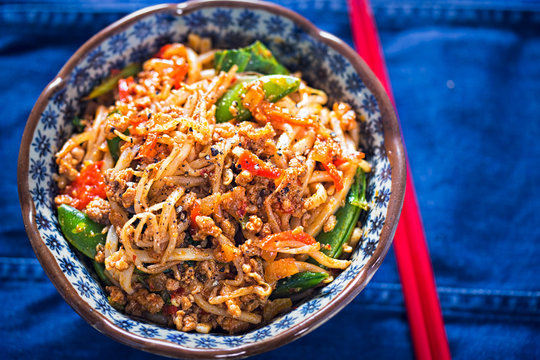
(326, 63)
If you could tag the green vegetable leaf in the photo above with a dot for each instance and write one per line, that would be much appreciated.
(83, 233)
(255, 57)
(111, 82)
(275, 87)
(79, 127)
(297, 283)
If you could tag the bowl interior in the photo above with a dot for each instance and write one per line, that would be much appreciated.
(321, 65)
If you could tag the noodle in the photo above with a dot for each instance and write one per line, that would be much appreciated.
(191, 203)
(328, 261)
(212, 309)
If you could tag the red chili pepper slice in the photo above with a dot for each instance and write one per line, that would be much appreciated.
(340, 161)
(123, 87)
(280, 269)
(250, 162)
(179, 74)
(287, 236)
(334, 173)
(170, 310)
(162, 51)
(88, 185)
(355, 157)
(148, 148)
(274, 114)
(195, 211)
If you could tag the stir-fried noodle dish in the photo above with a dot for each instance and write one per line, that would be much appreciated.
(211, 189)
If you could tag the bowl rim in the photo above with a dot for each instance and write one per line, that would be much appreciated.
(394, 151)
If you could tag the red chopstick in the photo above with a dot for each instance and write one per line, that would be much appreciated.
(414, 264)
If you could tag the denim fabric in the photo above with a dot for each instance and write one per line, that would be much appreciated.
(466, 77)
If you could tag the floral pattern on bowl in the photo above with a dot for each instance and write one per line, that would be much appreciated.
(322, 66)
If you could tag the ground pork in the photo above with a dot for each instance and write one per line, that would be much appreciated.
(67, 165)
(157, 282)
(235, 202)
(206, 227)
(257, 139)
(98, 210)
(231, 325)
(118, 183)
(100, 254)
(151, 302)
(289, 197)
(185, 322)
(116, 296)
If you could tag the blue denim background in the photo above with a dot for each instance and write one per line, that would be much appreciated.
(466, 77)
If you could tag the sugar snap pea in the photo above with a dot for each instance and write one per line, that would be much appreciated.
(347, 217)
(224, 60)
(81, 232)
(275, 87)
(114, 146)
(297, 283)
(111, 82)
(100, 271)
(255, 57)
(79, 127)
(360, 184)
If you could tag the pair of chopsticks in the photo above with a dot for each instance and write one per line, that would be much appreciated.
(414, 264)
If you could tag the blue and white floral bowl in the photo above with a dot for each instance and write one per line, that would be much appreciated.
(326, 63)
